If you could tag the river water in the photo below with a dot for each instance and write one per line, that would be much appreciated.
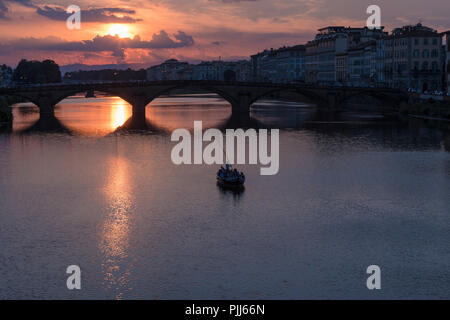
(352, 191)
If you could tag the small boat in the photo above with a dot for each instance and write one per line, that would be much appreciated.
(229, 177)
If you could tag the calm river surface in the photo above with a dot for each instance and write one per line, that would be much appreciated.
(351, 192)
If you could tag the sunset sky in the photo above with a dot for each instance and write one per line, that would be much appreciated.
(147, 32)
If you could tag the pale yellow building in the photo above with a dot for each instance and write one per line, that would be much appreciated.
(413, 58)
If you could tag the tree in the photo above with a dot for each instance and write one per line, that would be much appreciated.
(37, 72)
(5, 74)
(51, 71)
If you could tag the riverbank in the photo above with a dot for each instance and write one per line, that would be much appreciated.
(431, 113)
(437, 110)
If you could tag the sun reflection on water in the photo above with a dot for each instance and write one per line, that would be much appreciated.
(116, 229)
(98, 116)
(120, 112)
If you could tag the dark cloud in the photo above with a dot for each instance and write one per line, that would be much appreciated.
(4, 8)
(58, 13)
(105, 15)
(113, 44)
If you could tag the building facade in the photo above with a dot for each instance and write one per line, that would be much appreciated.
(342, 72)
(362, 65)
(327, 56)
(171, 69)
(207, 70)
(237, 71)
(410, 57)
(446, 56)
(283, 65)
(380, 63)
(413, 56)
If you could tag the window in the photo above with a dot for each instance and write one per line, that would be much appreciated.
(434, 66)
(416, 53)
(425, 53)
(416, 41)
(416, 65)
(425, 65)
(425, 41)
(434, 53)
(435, 42)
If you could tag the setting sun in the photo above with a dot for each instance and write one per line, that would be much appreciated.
(121, 30)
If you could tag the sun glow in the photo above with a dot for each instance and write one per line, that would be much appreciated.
(120, 30)
(119, 113)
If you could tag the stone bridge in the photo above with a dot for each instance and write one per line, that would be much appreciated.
(240, 95)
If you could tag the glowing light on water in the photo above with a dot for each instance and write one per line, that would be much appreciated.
(116, 228)
(120, 112)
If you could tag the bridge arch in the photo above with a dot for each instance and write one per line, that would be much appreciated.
(386, 101)
(66, 94)
(310, 96)
(47, 100)
(21, 96)
(240, 95)
(223, 94)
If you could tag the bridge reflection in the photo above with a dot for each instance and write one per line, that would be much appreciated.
(47, 123)
(110, 115)
(139, 123)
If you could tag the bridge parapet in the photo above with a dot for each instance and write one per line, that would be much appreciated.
(240, 95)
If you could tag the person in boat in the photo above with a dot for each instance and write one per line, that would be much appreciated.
(230, 175)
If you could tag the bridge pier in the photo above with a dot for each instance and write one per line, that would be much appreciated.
(46, 109)
(241, 107)
(138, 110)
(139, 104)
(332, 101)
(44, 101)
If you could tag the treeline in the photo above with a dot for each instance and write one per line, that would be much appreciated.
(4, 69)
(46, 71)
(106, 75)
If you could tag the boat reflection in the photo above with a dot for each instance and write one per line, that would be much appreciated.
(235, 192)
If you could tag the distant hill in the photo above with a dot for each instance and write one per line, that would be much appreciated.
(86, 67)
